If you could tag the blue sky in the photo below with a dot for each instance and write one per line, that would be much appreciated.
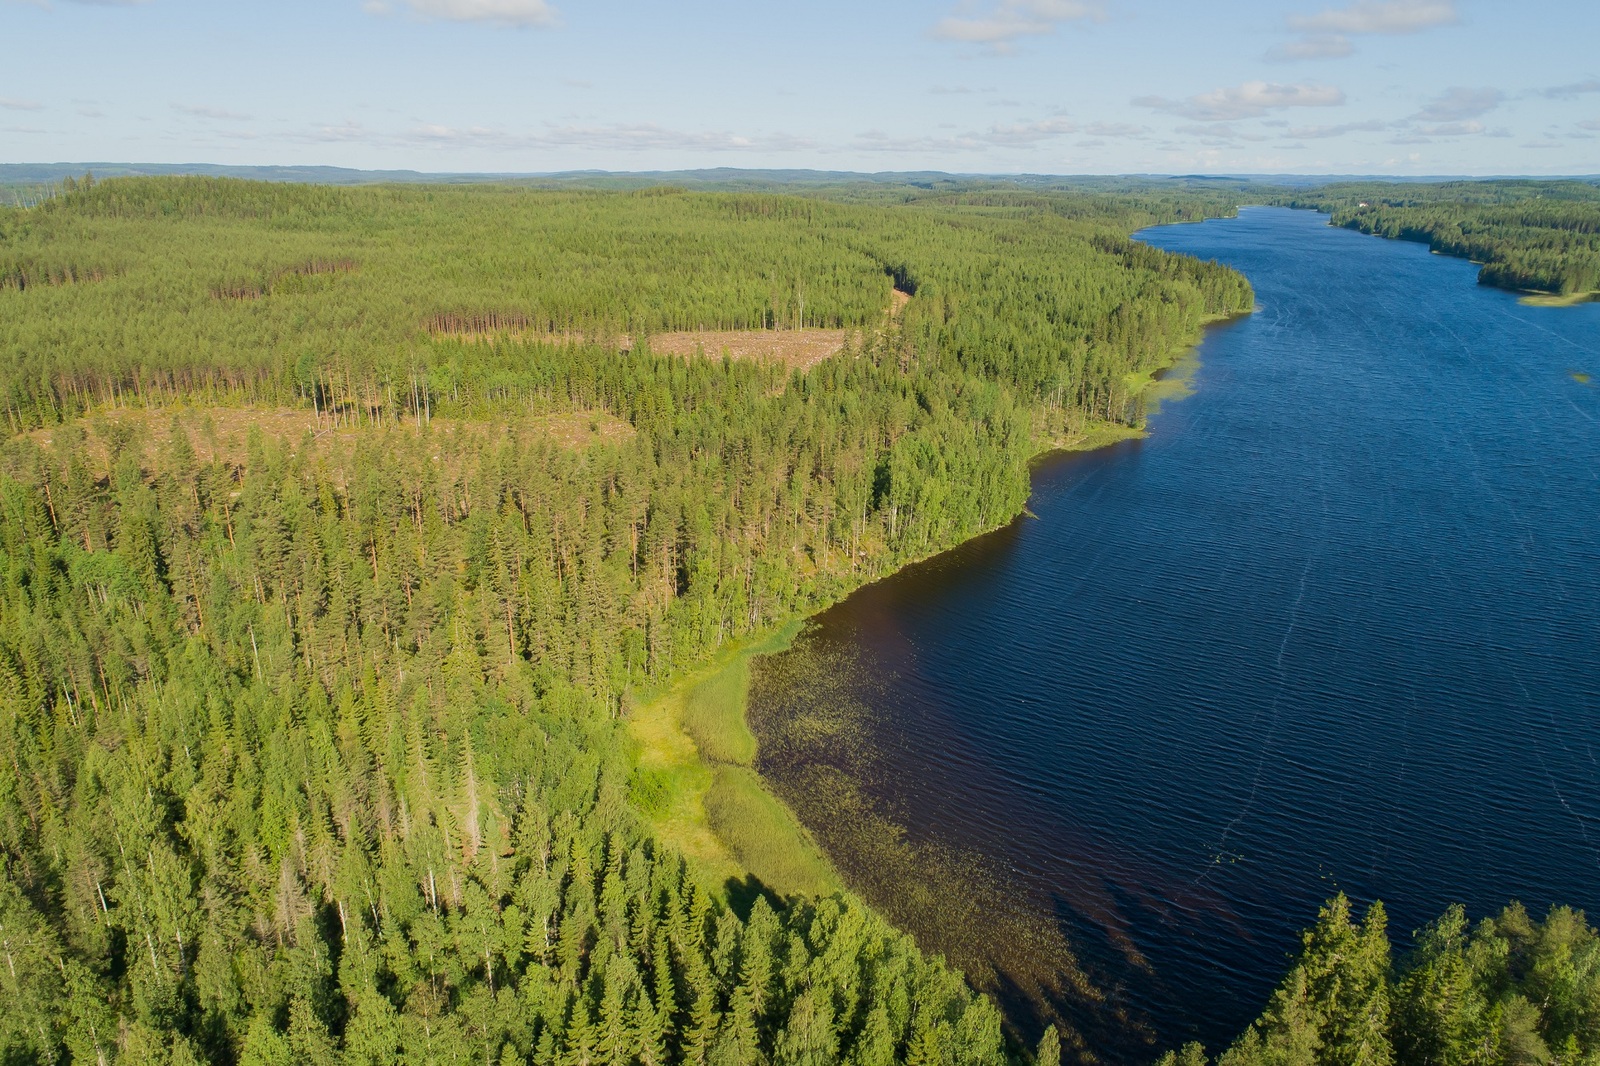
(994, 86)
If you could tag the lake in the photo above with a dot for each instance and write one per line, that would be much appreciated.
(1335, 624)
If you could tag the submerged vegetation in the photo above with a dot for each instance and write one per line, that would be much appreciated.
(369, 694)
(1539, 236)
(697, 783)
(316, 727)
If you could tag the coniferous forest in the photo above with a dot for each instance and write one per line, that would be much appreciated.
(1539, 236)
(313, 742)
(1510, 990)
(342, 530)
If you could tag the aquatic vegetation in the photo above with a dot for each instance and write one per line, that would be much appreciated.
(322, 635)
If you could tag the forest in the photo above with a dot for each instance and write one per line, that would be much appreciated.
(1538, 236)
(342, 529)
(1511, 990)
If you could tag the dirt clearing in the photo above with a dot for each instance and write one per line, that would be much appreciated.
(797, 349)
(222, 434)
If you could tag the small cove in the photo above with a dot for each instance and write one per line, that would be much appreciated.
(1334, 625)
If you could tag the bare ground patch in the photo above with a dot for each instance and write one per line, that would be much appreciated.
(23, 276)
(260, 287)
(222, 434)
(794, 348)
(490, 327)
(797, 349)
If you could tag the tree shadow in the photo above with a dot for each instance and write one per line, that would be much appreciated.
(742, 895)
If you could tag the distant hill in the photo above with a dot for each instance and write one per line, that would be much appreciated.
(50, 173)
(42, 175)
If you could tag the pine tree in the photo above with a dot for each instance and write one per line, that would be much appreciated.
(1049, 1053)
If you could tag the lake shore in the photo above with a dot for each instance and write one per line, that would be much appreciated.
(697, 776)
(1098, 723)
(1548, 299)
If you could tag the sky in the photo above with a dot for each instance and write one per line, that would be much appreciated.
(1405, 87)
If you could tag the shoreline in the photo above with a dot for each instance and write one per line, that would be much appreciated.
(696, 777)
(1526, 297)
(697, 792)
(1529, 298)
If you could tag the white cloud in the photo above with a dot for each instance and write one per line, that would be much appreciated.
(1319, 46)
(1219, 133)
(1590, 124)
(1021, 135)
(1026, 134)
(624, 137)
(1010, 20)
(647, 136)
(47, 5)
(494, 12)
(1115, 129)
(1250, 100)
(1379, 16)
(1326, 33)
(13, 104)
(1578, 88)
(1460, 103)
(1452, 129)
(344, 132)
(215, 113)
(1319, 132)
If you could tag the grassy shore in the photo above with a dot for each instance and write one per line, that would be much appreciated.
(696, 780)
(696, 777)
(1549, 299)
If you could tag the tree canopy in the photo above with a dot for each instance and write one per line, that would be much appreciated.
(1542, 236)
(1510, 991)
(313, 742)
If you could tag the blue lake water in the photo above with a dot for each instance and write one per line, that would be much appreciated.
(1334, 625)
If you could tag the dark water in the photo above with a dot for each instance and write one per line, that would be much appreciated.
(1334, 625)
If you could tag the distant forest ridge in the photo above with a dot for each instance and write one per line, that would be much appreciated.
(1532, 235)
(48, 173)
(341, 538)
(35, 174)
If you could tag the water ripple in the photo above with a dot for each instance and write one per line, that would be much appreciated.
(1334, 625)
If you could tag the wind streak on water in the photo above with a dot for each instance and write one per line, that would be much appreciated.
(1333, 625)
